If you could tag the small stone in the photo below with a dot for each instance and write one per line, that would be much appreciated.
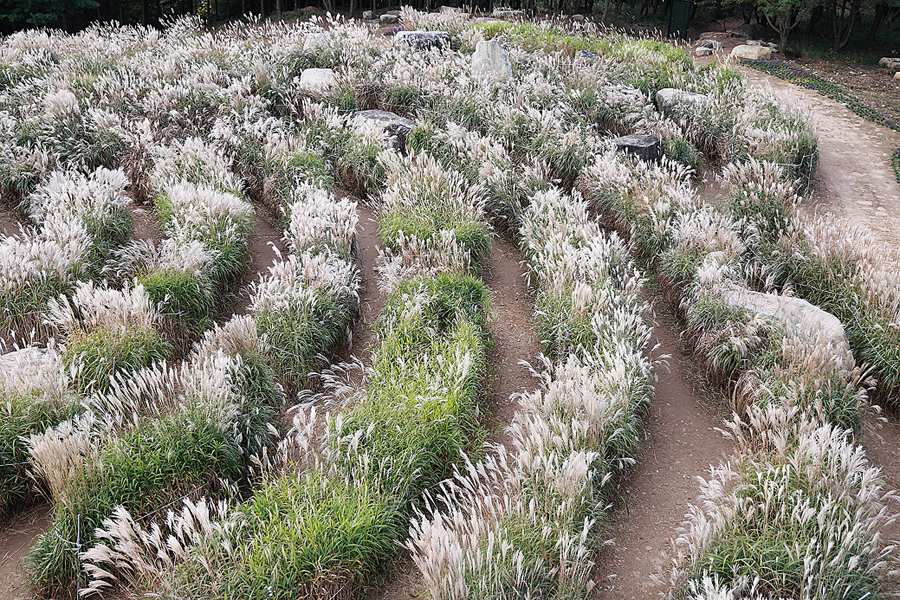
(395, 127)
(369, 15)
(423, 40)
(752, 52)
(490, 61)
(318, 82)
(387, 19)
(753, 43)
(586, 56)
(645, 147)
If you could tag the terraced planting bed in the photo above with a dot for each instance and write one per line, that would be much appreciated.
(258, 353)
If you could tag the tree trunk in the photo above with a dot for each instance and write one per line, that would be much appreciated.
(144, 13)
(278, 7)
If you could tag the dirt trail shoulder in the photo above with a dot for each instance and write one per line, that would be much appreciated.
(855, 181)
(16, 537)
(682, 444)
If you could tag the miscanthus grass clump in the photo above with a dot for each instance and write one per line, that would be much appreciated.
(154, 436)
(106, 332)
(305, 303)
(524, 521)
(798, 513)
(34, 394)
(339, 507)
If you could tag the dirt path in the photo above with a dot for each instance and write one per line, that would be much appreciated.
(371, 300)
(855, 181)
(265, 238)
(682, 445)
(16, 537)
(513, 333)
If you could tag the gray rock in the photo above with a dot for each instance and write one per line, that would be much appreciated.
(712, 44)
(669, 98)
(423, 40)
(318, 82)
(703, 51)
(822, 330)
(897, 75)
(752, 52)
(645, 147)
(368, 15)
(392, 12)
(753, 43)
(508, 13)
(387, 19)
(395, 127)
(578, 18)
(586, 56)
(490, 61)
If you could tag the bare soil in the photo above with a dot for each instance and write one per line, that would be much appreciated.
(16, 536)
(264, 240)
(682, 443)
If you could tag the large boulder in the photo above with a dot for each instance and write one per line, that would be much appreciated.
(890, 63)
(318, 82)
(392, 126)
(490, 61)
(369, 15)
(387, 19)
(752, 52)
(669, 98)
(796, 316)
(423, 40)
(645, 147)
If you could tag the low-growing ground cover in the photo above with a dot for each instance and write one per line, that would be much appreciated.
(156, 404)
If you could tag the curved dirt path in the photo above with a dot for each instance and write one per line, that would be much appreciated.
(855, 181)
(654, 495)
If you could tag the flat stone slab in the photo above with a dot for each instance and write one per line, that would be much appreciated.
(645, 147)
(392, 125)
(423, 40)
(752, 52)
(669, 98)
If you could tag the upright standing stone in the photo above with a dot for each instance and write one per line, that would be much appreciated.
(491, 61)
